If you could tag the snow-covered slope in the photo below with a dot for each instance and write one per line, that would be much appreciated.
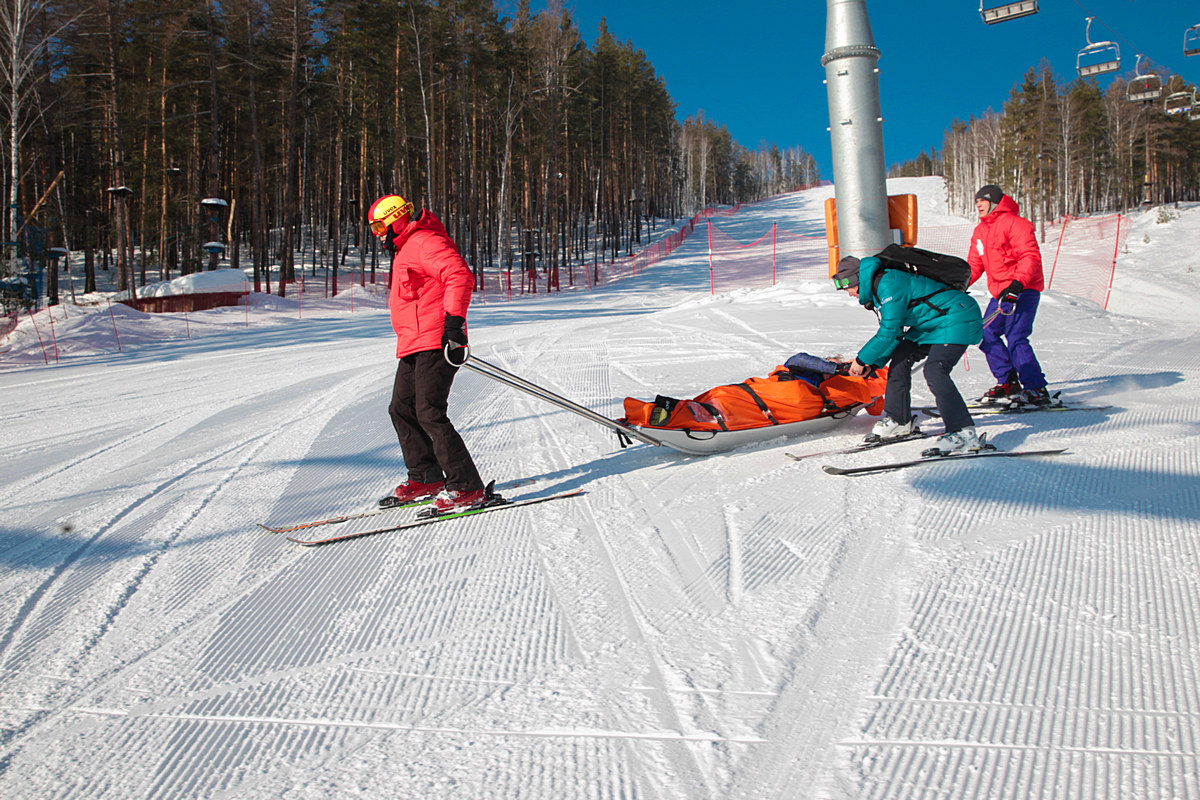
(737, 626)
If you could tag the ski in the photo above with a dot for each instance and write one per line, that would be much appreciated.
(381, 509)
(1011, 405)
(497, 505)
(895, 465)
(860, 446)
(985, 409)
(316, 523)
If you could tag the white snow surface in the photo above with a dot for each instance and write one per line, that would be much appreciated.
(736, 626)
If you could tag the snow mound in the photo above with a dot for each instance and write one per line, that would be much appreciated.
(217, 280)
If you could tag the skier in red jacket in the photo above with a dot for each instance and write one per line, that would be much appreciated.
(1005, 247)
(430, 292)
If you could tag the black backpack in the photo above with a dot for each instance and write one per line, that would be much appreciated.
(950, 270)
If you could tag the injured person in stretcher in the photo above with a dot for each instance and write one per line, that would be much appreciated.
(805, 387)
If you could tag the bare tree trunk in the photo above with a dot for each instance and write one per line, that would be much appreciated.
(258, 242)
(167, 172)
(214, 143)
(338, 144)
(511, 113)
(118, 191)
(287, 269)
(425, 111)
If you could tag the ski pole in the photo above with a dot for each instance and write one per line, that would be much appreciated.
(499, 375)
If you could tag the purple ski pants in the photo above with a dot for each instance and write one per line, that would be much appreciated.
(1006, 341)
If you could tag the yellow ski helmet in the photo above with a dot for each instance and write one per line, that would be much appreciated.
(387, 210)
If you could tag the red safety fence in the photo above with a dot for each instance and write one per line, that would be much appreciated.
(510, 283)
(1086, 256)
(1079, 255)
(953, 239)
(503, 283)
(776, 255)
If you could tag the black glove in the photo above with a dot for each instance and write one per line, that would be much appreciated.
(1010, 292)
(453, 335)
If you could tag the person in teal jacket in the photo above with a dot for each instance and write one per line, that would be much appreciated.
(919, 318)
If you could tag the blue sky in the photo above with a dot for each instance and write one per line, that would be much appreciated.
(755, 68)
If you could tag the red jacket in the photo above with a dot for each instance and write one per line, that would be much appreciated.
(430, 279)
(1005, 246)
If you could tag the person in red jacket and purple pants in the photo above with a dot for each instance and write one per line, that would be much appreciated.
(1005, 247)
(430, 292)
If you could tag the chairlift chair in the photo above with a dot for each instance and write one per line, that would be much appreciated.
(1097, 58)
(1180, 103)
(1006, 11)
(1144, 87)
(1191, 41)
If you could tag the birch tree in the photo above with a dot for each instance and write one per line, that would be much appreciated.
(28, 33)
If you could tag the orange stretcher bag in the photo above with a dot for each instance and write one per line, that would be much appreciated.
(786, 395)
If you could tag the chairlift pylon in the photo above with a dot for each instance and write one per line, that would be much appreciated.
(1007, 10)
(1180, 103)
(1191, 41)
(1097, 58)
(1143, 87)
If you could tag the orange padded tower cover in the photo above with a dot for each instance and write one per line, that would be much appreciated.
(902, 216)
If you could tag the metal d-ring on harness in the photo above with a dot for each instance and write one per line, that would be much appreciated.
(625, 434)
(1000, 312)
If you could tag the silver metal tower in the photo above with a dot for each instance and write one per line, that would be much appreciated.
(855, 129)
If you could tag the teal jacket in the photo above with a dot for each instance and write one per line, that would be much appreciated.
(947, 317)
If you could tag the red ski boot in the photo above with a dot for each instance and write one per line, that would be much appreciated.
(410, 492)
(451, 500)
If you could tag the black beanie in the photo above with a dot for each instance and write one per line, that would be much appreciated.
(847, 270)
(992, 193)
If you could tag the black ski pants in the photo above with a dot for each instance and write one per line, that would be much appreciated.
(432, 448)
(942, 358)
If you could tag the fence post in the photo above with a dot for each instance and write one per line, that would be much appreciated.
(113, 317)
(1112, 272)
(1062, 234)
(774, 230)
(712, 281)
(39, 335)
(53, 335)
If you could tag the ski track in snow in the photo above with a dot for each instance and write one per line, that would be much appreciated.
(737, 626)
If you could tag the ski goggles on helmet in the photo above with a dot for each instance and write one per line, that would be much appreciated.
(843, 283)
(385, 211)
